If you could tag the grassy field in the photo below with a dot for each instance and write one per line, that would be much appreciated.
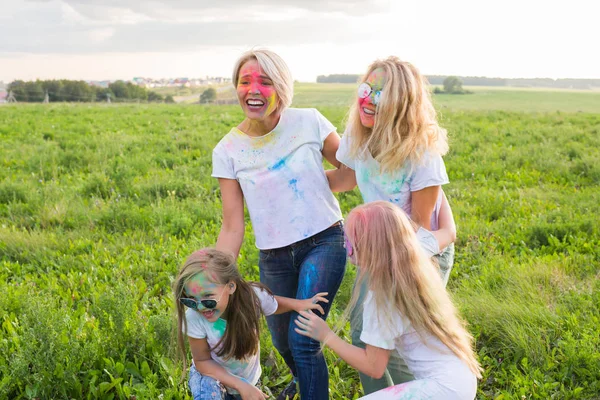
(100, 204)
(483, 98)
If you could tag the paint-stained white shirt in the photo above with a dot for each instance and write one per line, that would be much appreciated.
(199, 327)
(282, 177)
(397, 187)
(426, 357)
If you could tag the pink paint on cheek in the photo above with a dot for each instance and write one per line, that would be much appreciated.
(365, 101)
(252, 82)
(195, 288)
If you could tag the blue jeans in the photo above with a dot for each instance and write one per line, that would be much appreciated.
(207, 388)
(301, 270)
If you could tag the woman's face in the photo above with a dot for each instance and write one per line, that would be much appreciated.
(200, 287)
(255, 91)
(369, 94)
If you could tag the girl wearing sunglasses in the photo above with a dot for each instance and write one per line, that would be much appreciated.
(219, 312)
(393, 148)
(407, 311)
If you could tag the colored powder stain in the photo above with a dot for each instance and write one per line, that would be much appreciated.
(220, 326)
(408, 391)
(365, 175)
(272, 101)
(278, 165)
(198, 284)
(194, 288)
(397, 184)
(311, 280)
(293, 184)
(262, 141)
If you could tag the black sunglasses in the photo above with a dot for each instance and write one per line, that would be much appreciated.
(193, 303)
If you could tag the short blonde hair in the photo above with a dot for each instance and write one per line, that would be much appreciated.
(406, 124)
(275, 68)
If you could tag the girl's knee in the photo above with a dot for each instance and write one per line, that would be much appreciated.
(204, 387)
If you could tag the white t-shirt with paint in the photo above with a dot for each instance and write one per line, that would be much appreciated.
(282, 177)
(426, 358)
(199, 327)
(397, 187)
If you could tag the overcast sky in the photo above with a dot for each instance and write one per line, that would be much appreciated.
(120, 39)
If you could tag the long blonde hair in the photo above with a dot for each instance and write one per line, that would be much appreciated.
(242, 334)
(403, 279)
(405, 124)
(275, 68)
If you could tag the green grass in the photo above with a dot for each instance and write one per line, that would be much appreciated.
(100, 204)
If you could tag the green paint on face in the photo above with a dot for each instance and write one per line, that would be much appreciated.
(377, 79)
(199, 284)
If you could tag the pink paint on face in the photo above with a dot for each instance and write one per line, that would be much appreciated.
(349, 249)
(198, 284)
(255, 91)
(366, 108)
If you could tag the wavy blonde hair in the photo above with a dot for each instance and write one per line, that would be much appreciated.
(403, 279)
(275, 68)
(405, 125)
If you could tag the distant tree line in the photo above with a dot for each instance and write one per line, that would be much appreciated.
(452, 85)
(81, 91)
(484, 81)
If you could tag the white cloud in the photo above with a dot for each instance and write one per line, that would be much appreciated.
(508, 38)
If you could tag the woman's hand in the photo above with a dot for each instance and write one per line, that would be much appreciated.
(312, 303)
(311, 325)
(251, 392)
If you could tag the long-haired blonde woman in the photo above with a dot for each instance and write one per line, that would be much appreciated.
(273, 161)
(393, 148)
(407, 310)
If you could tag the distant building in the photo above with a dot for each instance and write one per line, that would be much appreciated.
(3, 96)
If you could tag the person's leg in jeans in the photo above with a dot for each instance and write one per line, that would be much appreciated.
(278, 273)
(397, 370)
(204, 387)
(322, 267)
(445, 261)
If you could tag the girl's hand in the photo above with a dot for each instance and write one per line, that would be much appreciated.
(309, 324)
(311, 304)
(251, 392)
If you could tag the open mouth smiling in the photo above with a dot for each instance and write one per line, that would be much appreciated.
(368, 111)
(255, 103)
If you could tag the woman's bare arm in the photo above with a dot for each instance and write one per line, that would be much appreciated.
(231, 235)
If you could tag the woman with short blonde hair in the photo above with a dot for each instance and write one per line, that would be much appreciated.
(273, 160)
